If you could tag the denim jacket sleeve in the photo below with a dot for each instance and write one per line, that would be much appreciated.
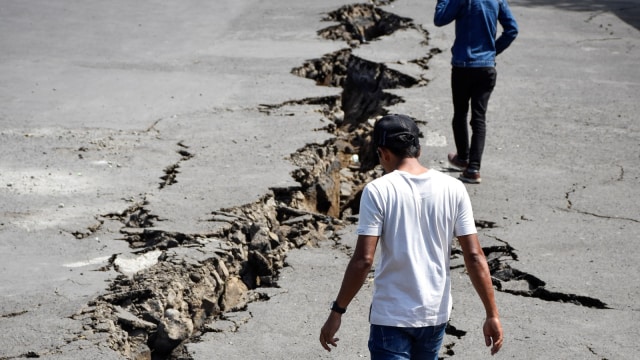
(446, 11)
(509, 27)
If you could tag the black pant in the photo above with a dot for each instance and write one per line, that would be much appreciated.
(471, 85)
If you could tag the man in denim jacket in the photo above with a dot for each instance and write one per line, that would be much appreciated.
(473, 74)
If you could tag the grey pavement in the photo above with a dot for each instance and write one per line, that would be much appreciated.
(98, 99)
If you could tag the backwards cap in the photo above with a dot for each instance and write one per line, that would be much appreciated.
(396, 132)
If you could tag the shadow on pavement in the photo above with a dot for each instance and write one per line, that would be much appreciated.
(627, 10)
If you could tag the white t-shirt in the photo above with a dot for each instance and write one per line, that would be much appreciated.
(416, 217)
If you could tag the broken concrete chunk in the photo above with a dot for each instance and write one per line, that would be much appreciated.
(130, 266)
(131, 320)
(235, 296)
(221, 326)
(174, 329)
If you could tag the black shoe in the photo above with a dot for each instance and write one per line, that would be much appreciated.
(456, 162)
(470, 177)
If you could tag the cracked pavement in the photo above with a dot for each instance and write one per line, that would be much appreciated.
(104, 109)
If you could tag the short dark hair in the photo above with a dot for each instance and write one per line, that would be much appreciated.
(399, 134)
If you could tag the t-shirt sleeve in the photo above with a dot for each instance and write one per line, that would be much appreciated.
(371, 215)
(464, 222)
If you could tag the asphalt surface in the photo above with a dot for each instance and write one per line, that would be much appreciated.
(98, 99)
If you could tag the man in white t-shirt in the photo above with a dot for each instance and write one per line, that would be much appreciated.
(413, 213)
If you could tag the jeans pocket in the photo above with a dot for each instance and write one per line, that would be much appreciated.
(387, 342)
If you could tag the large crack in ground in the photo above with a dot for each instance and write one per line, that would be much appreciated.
(359, 23)
(171, 171)
(175, 287)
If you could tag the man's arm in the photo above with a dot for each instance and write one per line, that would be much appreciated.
(446, 12)
(509, 27)
(354, 276)
(478, 269)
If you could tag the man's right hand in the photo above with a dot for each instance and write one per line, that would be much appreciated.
(493, 334)
(328, 331)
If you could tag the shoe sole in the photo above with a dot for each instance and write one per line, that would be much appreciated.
(470, 181)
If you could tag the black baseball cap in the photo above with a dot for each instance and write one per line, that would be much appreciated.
(396, 131)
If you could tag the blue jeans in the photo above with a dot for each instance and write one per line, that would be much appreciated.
(395, 343)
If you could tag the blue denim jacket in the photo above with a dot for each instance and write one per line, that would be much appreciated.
(476, 27)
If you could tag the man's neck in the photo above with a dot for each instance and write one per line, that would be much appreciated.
(411, 165)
